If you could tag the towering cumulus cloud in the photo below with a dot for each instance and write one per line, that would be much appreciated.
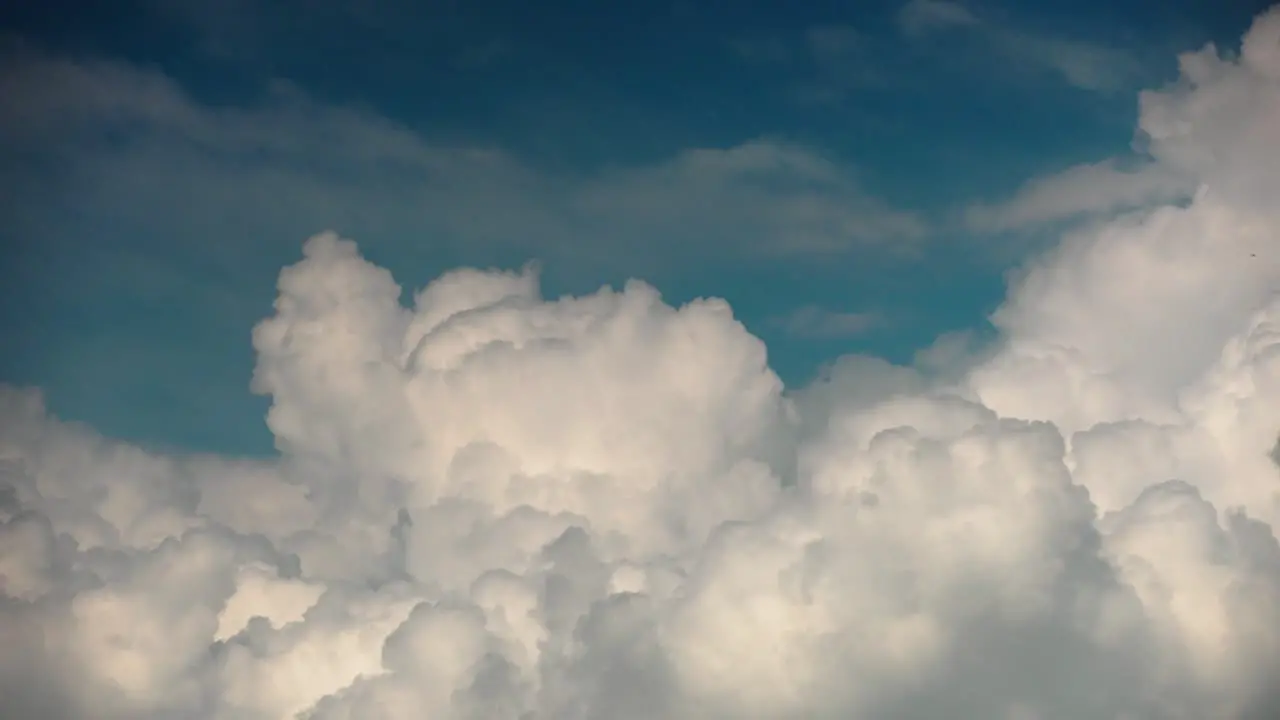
(493, 505)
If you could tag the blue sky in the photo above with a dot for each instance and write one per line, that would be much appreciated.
(847, 175)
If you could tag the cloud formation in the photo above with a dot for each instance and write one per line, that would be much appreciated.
(125, 140)
(921, 17)
(1085, 191)
(1215, 129)
(818, 323)
(494, 505)
(1081, 64)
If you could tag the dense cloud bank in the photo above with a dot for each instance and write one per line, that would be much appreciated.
(494, 505)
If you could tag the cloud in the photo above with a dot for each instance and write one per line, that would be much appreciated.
(819, 323)
(123, 140)
(1084, 65)
(768, 197)
(1088, 190)
(492, 504)
(920, 17)
(1219, 138)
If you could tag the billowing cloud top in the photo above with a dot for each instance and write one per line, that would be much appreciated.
(1216, 128)
(494, 505)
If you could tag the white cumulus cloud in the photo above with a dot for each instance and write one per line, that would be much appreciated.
(491, 504)
(1215, 127)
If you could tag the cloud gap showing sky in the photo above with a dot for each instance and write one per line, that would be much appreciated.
(491, 503)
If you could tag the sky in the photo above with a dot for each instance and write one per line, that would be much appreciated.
(401, 360)
(814, 165)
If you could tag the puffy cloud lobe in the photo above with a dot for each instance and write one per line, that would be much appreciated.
(1215, 127)
(491, 504)
(1219, 122)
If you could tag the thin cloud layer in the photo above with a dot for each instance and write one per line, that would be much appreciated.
(1083, 65)
(495, 505)
(124, 140)
(1081, 192)
(921, 17)
(815, 322)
